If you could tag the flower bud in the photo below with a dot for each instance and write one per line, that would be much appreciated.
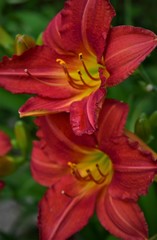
(21, 136)
(142, 128)
(6, 41)
(153, 119)
(23, 43)
(7, 165)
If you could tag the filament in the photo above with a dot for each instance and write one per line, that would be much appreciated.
(89, 176)
(85, 68)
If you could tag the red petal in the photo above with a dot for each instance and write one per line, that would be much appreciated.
(5, 144)
(134, 168)
(58, 145)
(47, 76)
(43, 167)
(2, 185)
(84, 113)
(63, 143)
(37, 106)
(61, 215)
(127, 47)
(112, 119)
(123, 219)
(52, 36)
(83, 25)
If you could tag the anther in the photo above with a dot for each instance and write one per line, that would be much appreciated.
(60, 61)
(80, 56)
(72, 81)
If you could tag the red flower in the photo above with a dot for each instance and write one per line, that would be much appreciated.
(5, 144)
(106, 171)
(82, 56)
(5, 147)
(2, 185)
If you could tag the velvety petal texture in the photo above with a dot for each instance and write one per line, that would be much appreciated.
(107, 170)
(84, 114)
(123, 219)
(127, 47)
(44, 169)
(32, 72)
(80, 51)
(51, 155)
(135, 168)
(56, 207)
(5, 144)
(82, 26)
(111, 120)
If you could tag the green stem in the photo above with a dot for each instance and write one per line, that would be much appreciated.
(128, 12)
(153, 237)
(141, 71)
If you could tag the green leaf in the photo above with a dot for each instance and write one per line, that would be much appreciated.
(6, 41)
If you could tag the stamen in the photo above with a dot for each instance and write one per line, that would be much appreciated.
(89, 176)
(29, 74)
(80, 75)
(76, 173)
(71, 80)
(37, 79)
(100, 181)
(85, 68)
(66, 194)
(97, 166)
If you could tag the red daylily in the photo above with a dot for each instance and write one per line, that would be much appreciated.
(2, 185)
(82, 56)
(5, 147)
(106, 171)
(5, 144)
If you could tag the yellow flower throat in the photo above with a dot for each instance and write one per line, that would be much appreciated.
(77, 79)
(96, 167)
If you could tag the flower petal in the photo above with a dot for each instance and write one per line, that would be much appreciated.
(5, 144)
(111, 120)
(2, 185)
(123, 219)
(38, 106)
(63, 143)
(36, 72)
(78, 26)
(135, 168)
(61, 215)
(127, 47)
(84, 113)
(43, 167)
(52, 36)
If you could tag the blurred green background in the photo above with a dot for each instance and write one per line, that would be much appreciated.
(20, 197)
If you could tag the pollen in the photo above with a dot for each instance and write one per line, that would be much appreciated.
(60, 61)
